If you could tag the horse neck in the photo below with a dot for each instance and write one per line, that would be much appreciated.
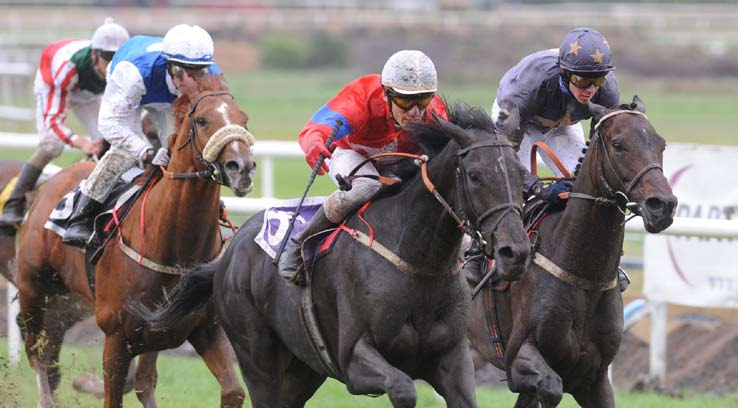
(589, 236)
(183, 213)
(426, 236)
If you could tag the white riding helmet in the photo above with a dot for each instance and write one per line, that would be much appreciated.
(109, 36)
(188, 44)
(410, 72)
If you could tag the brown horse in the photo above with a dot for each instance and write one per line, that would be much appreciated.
(65, 311)
(178, 229)
(562, 324)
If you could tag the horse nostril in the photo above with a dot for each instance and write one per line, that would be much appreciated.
(659, 205)
(506, 252)
(232, 166)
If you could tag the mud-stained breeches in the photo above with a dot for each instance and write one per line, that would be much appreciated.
(112, 165)
(566, 142)
(342, 203)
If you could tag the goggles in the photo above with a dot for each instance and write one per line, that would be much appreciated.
(195, 71)
(407, 102)
(583, 82)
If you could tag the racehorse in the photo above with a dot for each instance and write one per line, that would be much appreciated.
(562, 323)
(387, 316)
(175, 226)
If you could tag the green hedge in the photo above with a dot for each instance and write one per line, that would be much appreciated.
(292, 50)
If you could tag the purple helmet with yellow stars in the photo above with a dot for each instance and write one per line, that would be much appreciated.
(585, 50)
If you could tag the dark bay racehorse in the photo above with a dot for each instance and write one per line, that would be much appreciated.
(562, 323)
(384, 323)
(171, 227)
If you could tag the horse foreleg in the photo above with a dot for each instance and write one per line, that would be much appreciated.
(212, 344)
(453, 377)
(116, 361)
(145, 378)
(598, 395)
(32, 310)
(369, 373)
(529, 373)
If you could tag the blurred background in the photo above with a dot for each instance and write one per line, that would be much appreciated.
(283, 59)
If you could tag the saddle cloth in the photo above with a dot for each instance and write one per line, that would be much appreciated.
(277, 219)
(119, 197)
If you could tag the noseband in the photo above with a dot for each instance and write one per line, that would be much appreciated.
(215, 144)
(617, 197)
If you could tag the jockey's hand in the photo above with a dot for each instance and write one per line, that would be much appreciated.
(89, 147)
(314, 147)
(553, 192)
(156, 157)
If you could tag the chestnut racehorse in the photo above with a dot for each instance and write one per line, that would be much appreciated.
(170, 228)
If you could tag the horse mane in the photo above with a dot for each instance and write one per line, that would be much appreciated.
(181, 105)
(432, 139)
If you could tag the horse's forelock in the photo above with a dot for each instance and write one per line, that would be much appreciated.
(181, 105)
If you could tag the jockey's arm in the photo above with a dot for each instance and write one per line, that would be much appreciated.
(119, 110)
(55, 109)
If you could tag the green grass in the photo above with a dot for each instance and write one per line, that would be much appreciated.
(186, 382)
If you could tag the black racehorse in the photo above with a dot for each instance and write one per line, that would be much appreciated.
(562, 323)
(387, 316)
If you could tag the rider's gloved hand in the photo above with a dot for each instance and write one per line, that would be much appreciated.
(313, 145)
(155, 157)
(552, 192)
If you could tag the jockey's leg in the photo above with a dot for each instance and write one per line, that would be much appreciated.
(49, 148)
(567, 142)
(95, 191)
(334, 210)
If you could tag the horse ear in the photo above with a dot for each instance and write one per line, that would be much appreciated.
(459, 135)
(598, 111)
(223, 83)
(638, 104)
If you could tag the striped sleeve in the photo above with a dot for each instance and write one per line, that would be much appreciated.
(55, 116)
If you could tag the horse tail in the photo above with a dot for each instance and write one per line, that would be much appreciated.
(191, 295)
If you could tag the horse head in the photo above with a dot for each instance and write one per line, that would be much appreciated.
(213, 138)
(489, 192)
(630, 173)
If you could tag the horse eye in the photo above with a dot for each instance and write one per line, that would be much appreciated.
(618, 145)
(201, 121)
(474, 177)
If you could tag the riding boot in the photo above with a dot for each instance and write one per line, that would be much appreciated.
(15, 207)
(291, 265)
(80, 222)
(623, 280)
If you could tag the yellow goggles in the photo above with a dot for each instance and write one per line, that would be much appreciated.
(582, 82)
(407, 102)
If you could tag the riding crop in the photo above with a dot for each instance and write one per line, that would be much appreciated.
(313, 174)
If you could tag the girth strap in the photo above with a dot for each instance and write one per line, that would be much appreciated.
(155, 266)
(571, 279)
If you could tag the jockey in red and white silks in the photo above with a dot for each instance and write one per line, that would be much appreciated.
(70, 77)
(368, 128)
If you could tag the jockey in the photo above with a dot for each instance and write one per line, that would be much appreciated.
(145, 74)
(376, 111)
(70, 76)
(545, 96)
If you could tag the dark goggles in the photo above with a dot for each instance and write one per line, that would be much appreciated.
(195, 71)
(583, 82)
(407, 102)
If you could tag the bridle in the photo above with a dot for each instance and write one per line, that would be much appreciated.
(474, 224)
(620, 197)
(469, 225)
(208, 154)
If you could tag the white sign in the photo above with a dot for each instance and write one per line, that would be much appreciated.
(695, 271)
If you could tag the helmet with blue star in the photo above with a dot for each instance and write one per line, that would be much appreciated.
(585, 51)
